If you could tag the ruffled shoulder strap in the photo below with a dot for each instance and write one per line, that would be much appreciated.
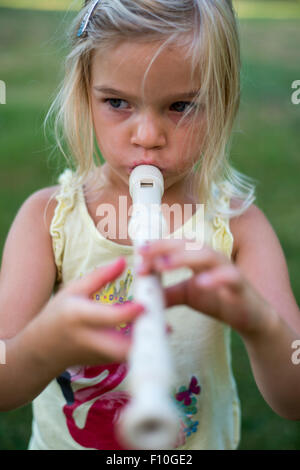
(222, 239)
(66, 201)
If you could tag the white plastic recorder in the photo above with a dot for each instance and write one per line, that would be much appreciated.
(150, 420)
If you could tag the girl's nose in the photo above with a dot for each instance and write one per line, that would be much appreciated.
(148, 131)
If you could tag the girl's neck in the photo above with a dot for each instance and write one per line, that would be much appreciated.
(108, 192)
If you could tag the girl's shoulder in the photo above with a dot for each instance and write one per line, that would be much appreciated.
(259, 256)
(44, 201)
(255, 240)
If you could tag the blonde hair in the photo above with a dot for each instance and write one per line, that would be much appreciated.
(208, 28)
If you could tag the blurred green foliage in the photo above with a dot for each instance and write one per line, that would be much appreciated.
(43, 4)
(245, 8)
(266, 146)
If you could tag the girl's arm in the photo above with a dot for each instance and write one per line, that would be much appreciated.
(27, 278)
(28, 268)
(261, 259)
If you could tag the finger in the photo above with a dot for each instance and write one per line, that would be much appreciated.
(116, 345)
(98, 278)
(175, 295)
(223, 276)
(155, 249)
(162, 258)
(163, 246)
(112, 344)
(100, 315)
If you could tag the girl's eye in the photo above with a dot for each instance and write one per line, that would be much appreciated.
(117, 103)
(181, 106)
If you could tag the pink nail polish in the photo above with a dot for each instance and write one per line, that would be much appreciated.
(164, 260)
(141, 308)
(204, 279)
(140, 269)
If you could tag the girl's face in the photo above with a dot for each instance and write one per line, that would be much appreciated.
(133, 128)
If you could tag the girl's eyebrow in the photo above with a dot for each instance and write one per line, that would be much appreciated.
(113, 91)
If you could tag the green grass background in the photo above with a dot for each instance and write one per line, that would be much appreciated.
(266, 146)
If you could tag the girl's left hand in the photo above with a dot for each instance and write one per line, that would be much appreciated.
(218, 288)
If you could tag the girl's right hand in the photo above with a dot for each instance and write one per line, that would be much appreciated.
(73, 329)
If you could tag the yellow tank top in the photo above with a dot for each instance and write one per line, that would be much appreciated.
(78, 409)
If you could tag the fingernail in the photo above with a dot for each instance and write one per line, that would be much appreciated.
(141, 308)
(204, 279)
(169, 329)
(141, 268)
(132, 302)
(136, 305)
(165, 259)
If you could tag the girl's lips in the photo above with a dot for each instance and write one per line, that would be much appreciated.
(133, 167)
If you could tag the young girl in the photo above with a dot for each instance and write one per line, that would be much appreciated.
(149, 82)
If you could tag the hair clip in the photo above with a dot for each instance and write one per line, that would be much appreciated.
(86, 19)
